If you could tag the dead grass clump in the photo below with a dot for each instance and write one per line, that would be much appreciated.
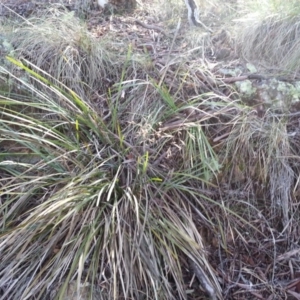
(258, 209)
(272, 38)
(61, 46)
(259, 155)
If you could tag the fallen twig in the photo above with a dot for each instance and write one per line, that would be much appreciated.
(203, 280)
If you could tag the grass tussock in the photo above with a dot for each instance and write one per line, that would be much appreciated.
(102, 200)
(271, 35)
(60, 44)
(123, 203)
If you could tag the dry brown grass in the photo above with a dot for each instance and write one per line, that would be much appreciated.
(271, 37)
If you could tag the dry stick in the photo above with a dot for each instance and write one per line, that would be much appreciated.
(193, 14)
(203, 280)
(152, 27)
(18, 15)
(169, 54)
(244, 77)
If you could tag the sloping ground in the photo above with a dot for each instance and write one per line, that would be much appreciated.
(251, 236)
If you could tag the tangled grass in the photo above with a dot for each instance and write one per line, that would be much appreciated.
(142, 188)
(86, 197)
